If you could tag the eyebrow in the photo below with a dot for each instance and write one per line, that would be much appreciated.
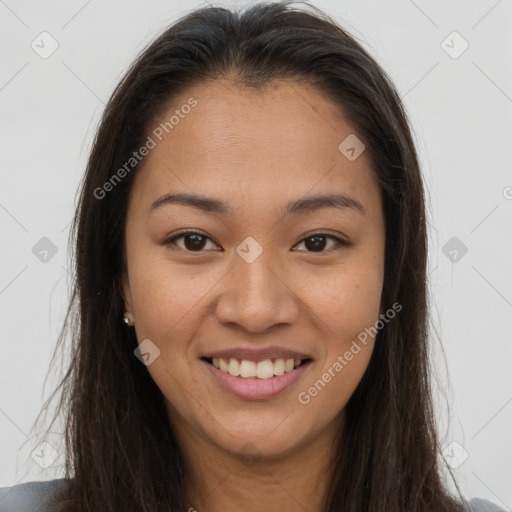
(297, 207)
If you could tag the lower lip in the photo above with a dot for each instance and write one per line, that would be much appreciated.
(254, 388)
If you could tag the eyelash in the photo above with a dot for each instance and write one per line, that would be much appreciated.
(341, 243)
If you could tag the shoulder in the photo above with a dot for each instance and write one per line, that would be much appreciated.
(30, 496)
(481, 505)
(35, 496)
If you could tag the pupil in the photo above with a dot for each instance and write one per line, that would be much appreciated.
(194, 245)
(316, 246)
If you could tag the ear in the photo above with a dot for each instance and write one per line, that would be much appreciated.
(126, 293)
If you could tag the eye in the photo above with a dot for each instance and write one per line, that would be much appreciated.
(195, 241)
(318, 241)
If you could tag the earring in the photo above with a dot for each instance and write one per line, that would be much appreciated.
(128, 319)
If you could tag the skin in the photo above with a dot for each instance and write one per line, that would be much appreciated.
(255, 150)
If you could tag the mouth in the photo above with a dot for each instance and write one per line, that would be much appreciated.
(261, 370)
(249, 380)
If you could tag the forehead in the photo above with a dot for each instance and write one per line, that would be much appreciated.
(244, 144)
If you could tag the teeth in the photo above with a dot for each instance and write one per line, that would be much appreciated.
(223, 365)
(265, 369)
(250, 369)
(247, 368)
(279, 367)
(234, 367)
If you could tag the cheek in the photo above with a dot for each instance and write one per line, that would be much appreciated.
(346, 310)
(346, 307)
(326, 393)
(166, 298)
(347, 301)
(167, 309)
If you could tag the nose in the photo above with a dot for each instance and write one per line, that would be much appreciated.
(256, 296)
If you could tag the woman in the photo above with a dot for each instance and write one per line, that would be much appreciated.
(251, 314)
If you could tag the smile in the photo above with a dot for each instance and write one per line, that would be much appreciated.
(255, 381)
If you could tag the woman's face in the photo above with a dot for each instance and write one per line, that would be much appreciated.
(254, 282)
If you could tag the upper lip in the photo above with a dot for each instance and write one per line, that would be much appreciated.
(256, 355)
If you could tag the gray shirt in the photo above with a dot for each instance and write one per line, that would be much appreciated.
(35, 496)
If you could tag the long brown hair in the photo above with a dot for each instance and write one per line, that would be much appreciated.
(121, 454)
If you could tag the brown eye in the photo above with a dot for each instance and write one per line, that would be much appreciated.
(318, 241)
(193, 241)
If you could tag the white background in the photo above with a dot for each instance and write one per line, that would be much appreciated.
(460, 110)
